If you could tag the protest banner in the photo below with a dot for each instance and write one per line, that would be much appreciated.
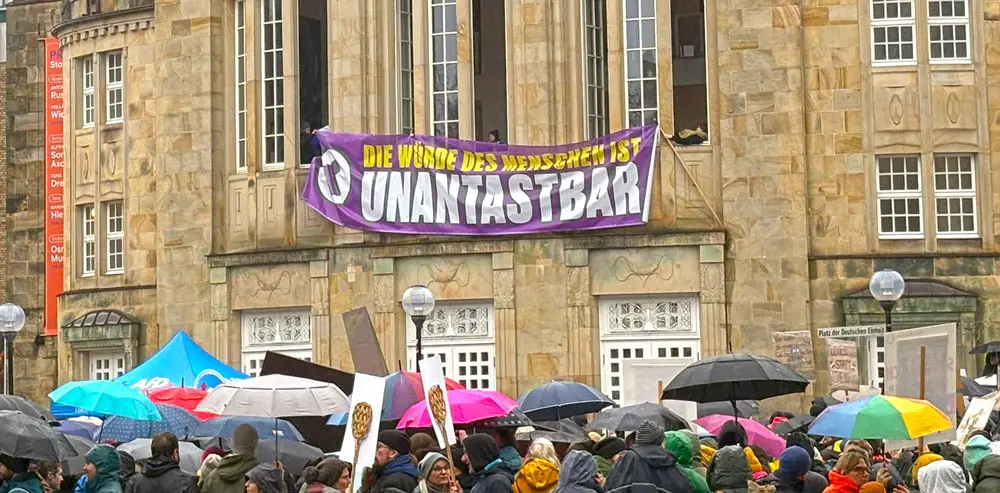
(434, 185)
(842, 365)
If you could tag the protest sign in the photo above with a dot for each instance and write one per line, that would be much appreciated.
(795, 349)
(432, 375)
(842, 365)
(903, 368)
(642, 379)
(361, 435)
(976, 416)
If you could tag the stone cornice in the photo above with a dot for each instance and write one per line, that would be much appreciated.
(104, 24)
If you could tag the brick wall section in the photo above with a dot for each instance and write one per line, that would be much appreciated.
(34, 366)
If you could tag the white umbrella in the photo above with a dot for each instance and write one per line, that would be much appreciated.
(275, 396)
(189, 453)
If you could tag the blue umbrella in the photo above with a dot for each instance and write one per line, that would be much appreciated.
(224, 426)
(77, 428)
(106, 398)
(175, 420)
(337, 419)
(558, 399)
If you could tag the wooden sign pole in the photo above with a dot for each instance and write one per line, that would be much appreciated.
(659, 391)
(923, 370)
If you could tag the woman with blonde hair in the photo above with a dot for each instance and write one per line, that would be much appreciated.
(850, 472)
(540, 472)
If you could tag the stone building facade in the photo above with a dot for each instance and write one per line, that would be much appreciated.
(843, 136)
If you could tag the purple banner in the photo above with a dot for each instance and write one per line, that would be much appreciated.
(432, 185)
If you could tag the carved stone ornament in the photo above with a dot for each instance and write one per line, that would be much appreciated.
(503, 289)
(713, 288)
(385, 302)
(896, 109)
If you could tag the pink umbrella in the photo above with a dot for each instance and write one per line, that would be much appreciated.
(757, 434)
(467, 406)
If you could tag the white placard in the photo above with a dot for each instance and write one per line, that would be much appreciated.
(977, 415)
(640, 379)
(370, 389)
(432, 373)
(902, 367)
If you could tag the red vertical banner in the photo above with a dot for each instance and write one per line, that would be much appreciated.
(55, 159)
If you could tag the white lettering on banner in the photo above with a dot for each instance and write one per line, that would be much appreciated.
(333, 158)
(438, 198)
(853, 331)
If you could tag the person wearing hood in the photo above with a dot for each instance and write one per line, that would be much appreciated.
(162, 472)
(607, 452)
(697, 459)
(647, 466)
(460, 469)
(540, 472)
(483, 458)
(230, 475)
(126, 468)
(21, 477)
(102, 467)
(434, 475)
(678, 444)
(327, 476)
(943, 476)
(578, 474)
(976, 448)
(921, 462)
(729, 470)
(793, 474)
(507, 441)
(208, 465)
(393, 466)
(265, 478)
(986, 475)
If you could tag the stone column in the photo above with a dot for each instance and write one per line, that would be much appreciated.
(385, 308)
(579, 319)
(504, 323)
(713, 301)
(319, 284)
(218, 277)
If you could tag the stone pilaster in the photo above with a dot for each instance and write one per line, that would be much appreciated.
(580, 330)
(713, 301)
(221, 317)
(504, 323)
(319, 283)
(385, 308)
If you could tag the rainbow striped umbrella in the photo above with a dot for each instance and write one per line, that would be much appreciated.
(881, 417)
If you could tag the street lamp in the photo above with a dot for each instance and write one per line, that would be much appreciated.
(418, 303)
(11, 321)
(887, 287)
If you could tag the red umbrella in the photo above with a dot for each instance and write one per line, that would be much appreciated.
(183, 397)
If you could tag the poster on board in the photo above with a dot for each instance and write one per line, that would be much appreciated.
(432, 374)
(842, 365)
(795, 349)
(641, 380)
(902, 372)
(366, 405)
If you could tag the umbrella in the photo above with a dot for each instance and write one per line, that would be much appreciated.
(733, 377)
(292, 455)
(224, 426)
(560, 399)
(467, 406)
(175, 420)
(629, 418)
(189, 453)
(275, 396)
(794, 424)
(73, 465)
(404, 389)
(182, 397)
(563, 431)
(81, 429)
(745, 408)
(106, 398)
(757, 434)
(27, 437)
(989, 347)
(514, 419)
(971, 388)
(17, 403)
(881, 417)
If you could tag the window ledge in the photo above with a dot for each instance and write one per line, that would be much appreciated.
(87, 275)
(114, 272)
(901, 237)
(962, 236)
(278, 167)
(114, 123)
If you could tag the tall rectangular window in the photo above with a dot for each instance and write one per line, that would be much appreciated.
(640, 62)
(948, 30)
(87, 83)
(899, 197)
(955, 196)
(595, 66)
(444, 68)
(115, 87)
(89, 239)
(114, 219)
(241, 87)
(273, 93)
(893, 23)
(405, 30)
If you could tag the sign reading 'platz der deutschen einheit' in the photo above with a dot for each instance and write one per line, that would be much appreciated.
(851, 331)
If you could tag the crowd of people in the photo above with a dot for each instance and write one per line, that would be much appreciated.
(647, 460)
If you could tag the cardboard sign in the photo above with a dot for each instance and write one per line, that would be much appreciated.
(976, 416)
(902, 371)
(368, 389)
(795, 349)
(365, 349)
(641, 378)
(842, 365)
(432, 373)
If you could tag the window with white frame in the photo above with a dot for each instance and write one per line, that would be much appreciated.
(115, 87)
(900, 203)
(273, 85)
(405, 31)
(461, 334)
(444, 68)
(288, 332)
(595, 67)
(876, 361)
(88, 243)
(106, 365)
(241, 86)
(641, 71)
(948, 30)
(955, 196)
(893, 25)
(114, 219)
(659, 327)
(87, 85)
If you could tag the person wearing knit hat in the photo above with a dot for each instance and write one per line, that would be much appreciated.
(265, 478)
(872, 487)
(794, 474)
(214, 449)
(923, 460)
(393, 466)
(434, 474)
(647, 466)
(610, 448)
(975, 449)
(230, 475)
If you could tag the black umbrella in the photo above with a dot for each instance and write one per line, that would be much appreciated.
(746, 408)
(514, 419)
(734, 377)
(293, 455)
(73, 465)
(629, 418)
(989, 347)
(970, 388)
(564, 431)
(16, 403)
(559, 399)
(794, 424)
(26, 437)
